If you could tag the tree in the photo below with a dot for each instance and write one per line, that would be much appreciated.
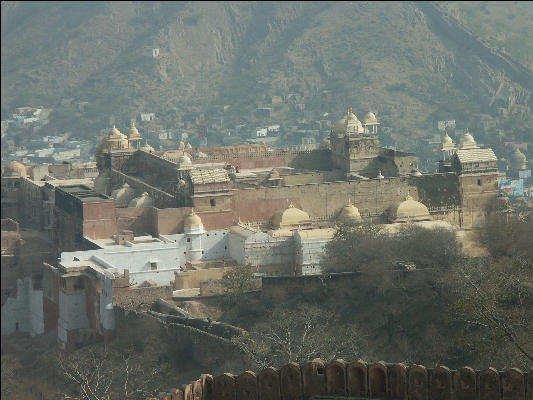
(299, 335)
(494, 307)
(506, 237)
(238, 281)
(369, 248)
(102, 377)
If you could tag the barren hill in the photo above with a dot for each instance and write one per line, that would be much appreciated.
(413, 63)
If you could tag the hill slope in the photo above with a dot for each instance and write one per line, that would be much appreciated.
(398, 59)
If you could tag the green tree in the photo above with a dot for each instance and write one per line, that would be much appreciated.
(238, 281)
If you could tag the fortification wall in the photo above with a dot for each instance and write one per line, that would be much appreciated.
(175, 342)
(132, 298)
(192, 279)
(312, 160)
(339, 378)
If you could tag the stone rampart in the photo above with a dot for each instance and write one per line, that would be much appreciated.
(359, 379)
(132, 297)
(219, 329)
(174, 342)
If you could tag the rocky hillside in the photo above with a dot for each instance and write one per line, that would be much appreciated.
(413, 63)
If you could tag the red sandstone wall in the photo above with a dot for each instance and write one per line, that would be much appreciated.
(99, 219)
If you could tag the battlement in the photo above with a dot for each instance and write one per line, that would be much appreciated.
(360, 380)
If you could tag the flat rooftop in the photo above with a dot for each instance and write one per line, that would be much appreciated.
(84, 193)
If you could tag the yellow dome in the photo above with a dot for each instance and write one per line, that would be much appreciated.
(114, 135)
(370, 119)
(409, 210)
(467, 141)
(192, 220)
(123, 195)
(349, 213)
(289, 217)
(144, 201)
(15, 169)
(133, 133)
(181, 146)
(188, 146)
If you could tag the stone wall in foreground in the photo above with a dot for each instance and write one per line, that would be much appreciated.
(359, 379)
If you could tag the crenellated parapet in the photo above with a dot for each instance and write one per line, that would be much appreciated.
(359, 379)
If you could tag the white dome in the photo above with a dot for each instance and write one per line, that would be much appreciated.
(467, 142)
(144, 201)
(123, 195)
(370, 119)
(184, 162)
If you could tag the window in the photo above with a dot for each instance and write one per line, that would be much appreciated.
(153, 266)
(479, 182)
(213, 202)
(79, 284)
(188, 240)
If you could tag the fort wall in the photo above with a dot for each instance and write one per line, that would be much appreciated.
(132, 297)
(339, 378)
(173, 341)
(192, 279)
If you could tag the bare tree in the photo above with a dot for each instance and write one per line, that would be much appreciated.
(494, 304)
(101, 377)
(299, 335)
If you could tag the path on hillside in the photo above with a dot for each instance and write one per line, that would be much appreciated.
(450, 28)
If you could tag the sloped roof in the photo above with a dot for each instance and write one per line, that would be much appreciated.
(203, 176)
(476, 155)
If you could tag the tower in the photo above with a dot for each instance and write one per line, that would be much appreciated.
(193, 230)
(354, 145)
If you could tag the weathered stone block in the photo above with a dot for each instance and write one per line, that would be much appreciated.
(197, 390)
(440, 384)
(314, 378)
(514, 385)
(225, 387)
(187, 392)
(357, 378)
(377, 379)
(207, 386)
(176, 394)
(336, 378)
(268, 384)
(489, 384)
(418, 383)
(291, 382)
(465, 383)
(398, 381)
(247, 386)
